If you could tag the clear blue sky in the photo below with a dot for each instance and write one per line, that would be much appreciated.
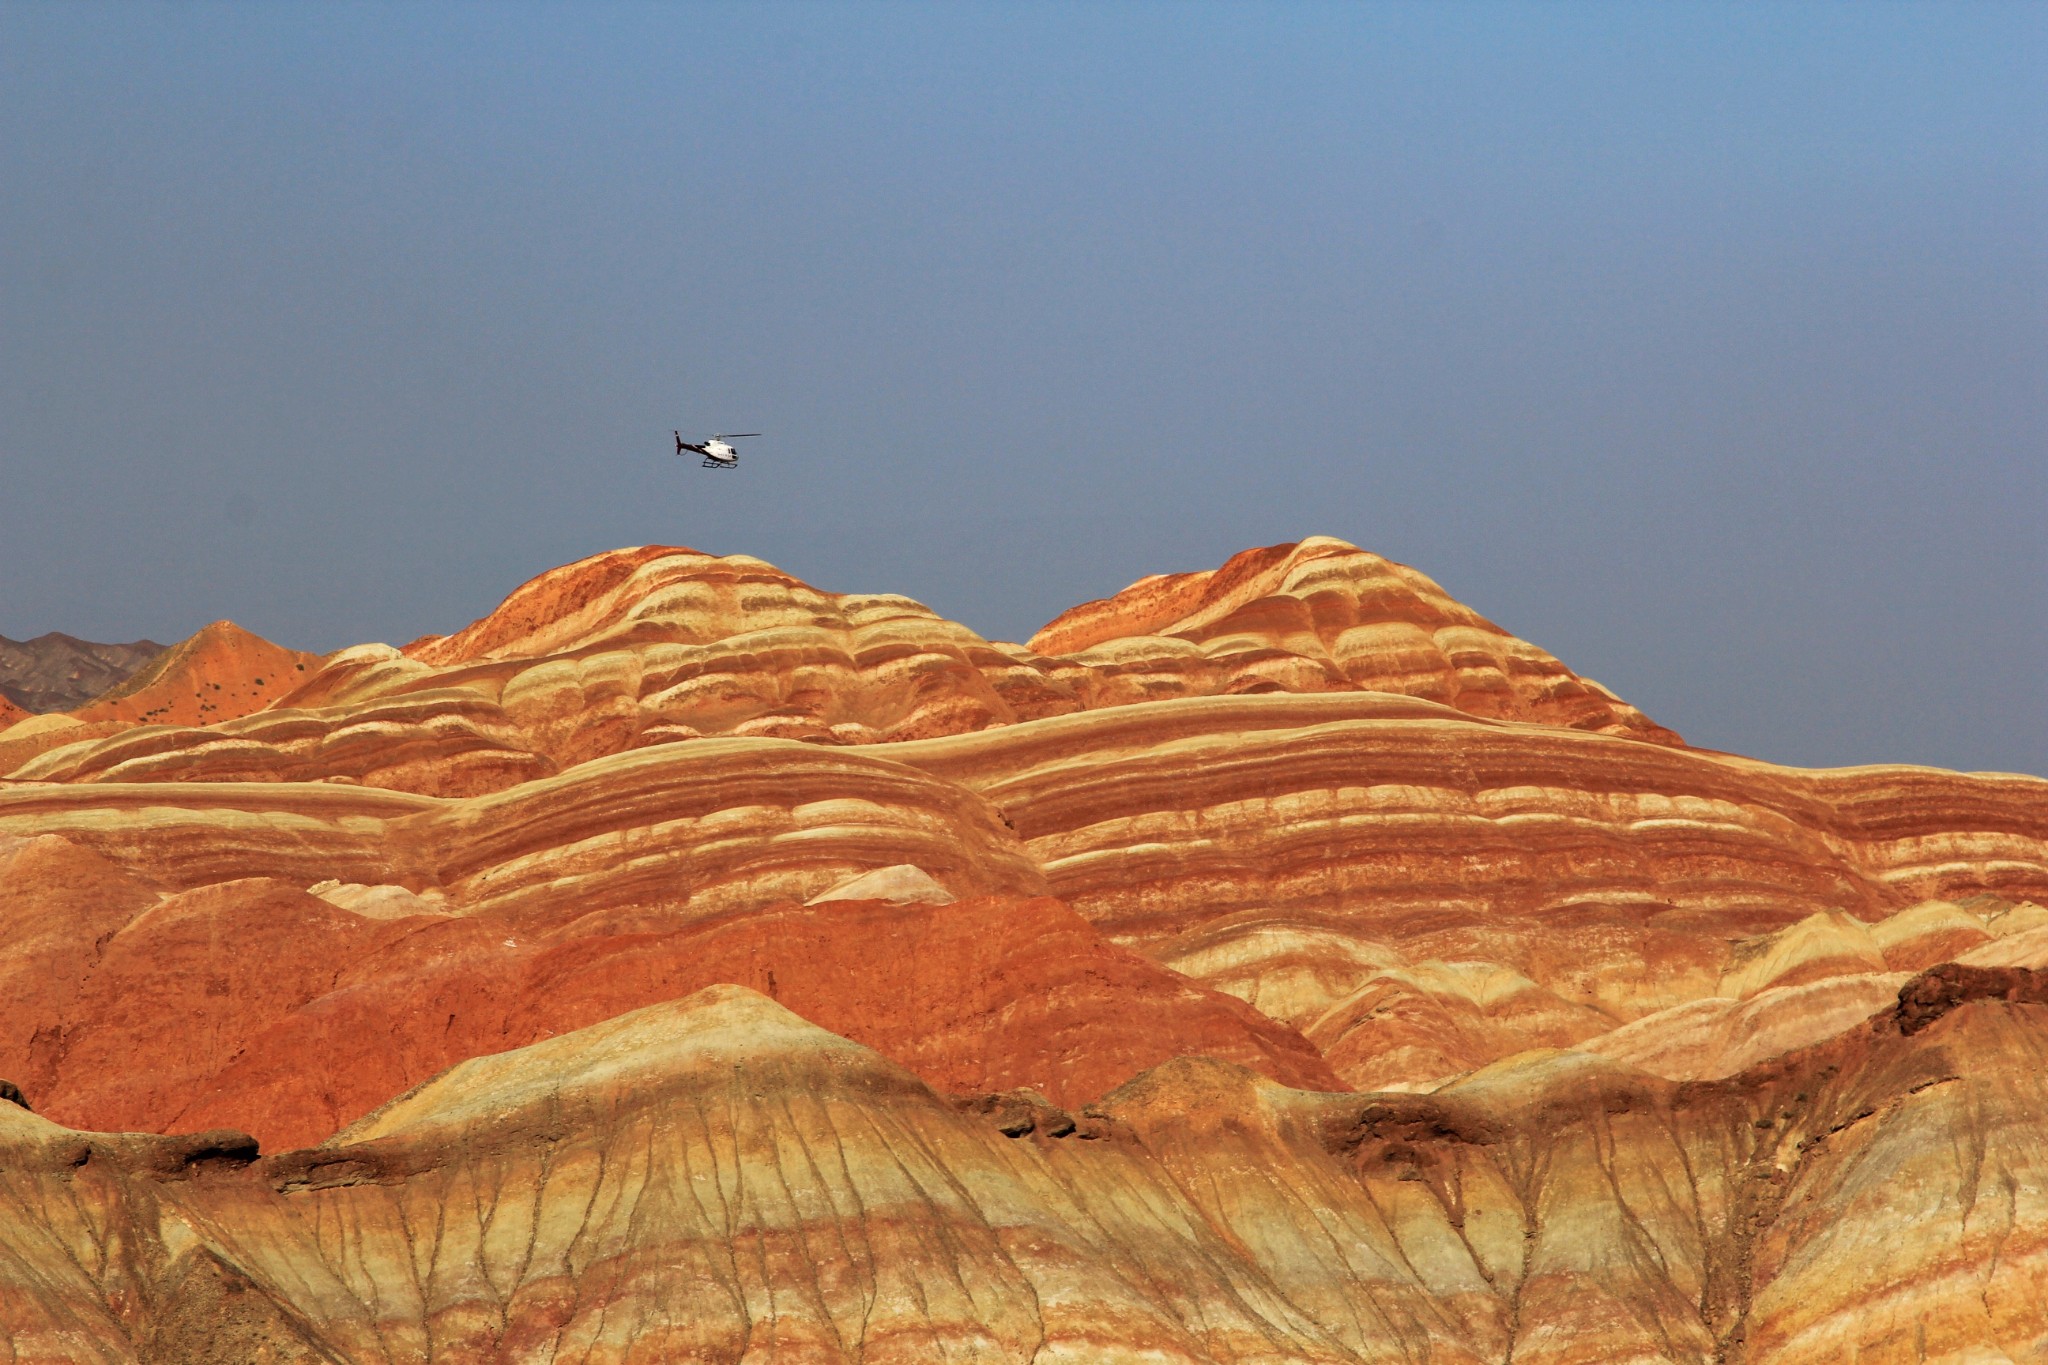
(1707, 346)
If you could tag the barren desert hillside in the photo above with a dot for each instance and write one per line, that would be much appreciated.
(54, 671)
(1276, 963)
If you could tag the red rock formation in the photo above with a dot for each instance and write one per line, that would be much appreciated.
(1155, 819)
(1405, 841)
(1322, 616)
(1297, 851)
(1302, 815)
(30, 739)
(991, 995)
(659, 644)
(58, 904)
(441, 744)
(295, 1015)
(217, 674)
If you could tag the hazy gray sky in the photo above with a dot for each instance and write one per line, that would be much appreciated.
(1705, 346)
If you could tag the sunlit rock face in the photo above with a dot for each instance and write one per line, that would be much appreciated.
(660, 644)
(218, 674)
(1322, 616)
(1276, 963)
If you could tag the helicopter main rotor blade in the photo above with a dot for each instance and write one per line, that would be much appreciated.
(733, 435)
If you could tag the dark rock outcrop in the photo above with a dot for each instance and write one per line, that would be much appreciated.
(56, 672)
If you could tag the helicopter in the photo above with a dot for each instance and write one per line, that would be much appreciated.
(718, 451)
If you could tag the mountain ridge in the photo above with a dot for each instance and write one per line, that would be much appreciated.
(660, 644)
(55, 671)
(1274, 963)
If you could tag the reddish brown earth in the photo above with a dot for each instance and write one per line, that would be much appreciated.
(1276, 963)
(295, 1017)
(218, 674)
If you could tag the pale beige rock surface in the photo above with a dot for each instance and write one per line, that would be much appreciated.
(902, 884)
(714, 1179)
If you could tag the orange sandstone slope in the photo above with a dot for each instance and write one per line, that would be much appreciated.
(219, 673)
(1409, 937)
(1664, 1050)
(1416, 889)
(658, 644)
(300, 1012)
(1323, 616)
(329, 946)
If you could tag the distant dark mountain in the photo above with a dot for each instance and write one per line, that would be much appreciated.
(56, 672)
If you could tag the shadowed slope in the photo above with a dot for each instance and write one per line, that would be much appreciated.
(54, 672)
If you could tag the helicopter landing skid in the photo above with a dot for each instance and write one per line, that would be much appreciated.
(710, 463)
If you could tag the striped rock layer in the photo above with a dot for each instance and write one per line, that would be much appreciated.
(713, 1178)
(1275, 963)
(654, 645)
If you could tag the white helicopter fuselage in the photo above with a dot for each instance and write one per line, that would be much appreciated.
(719, 452)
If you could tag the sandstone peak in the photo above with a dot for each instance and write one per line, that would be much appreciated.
(1167, 604)
(1322, 615)
(655, 645)
(651, 594)
(217, 673)
(551, 611)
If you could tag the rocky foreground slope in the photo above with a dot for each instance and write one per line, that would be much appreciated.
(1279, 963)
